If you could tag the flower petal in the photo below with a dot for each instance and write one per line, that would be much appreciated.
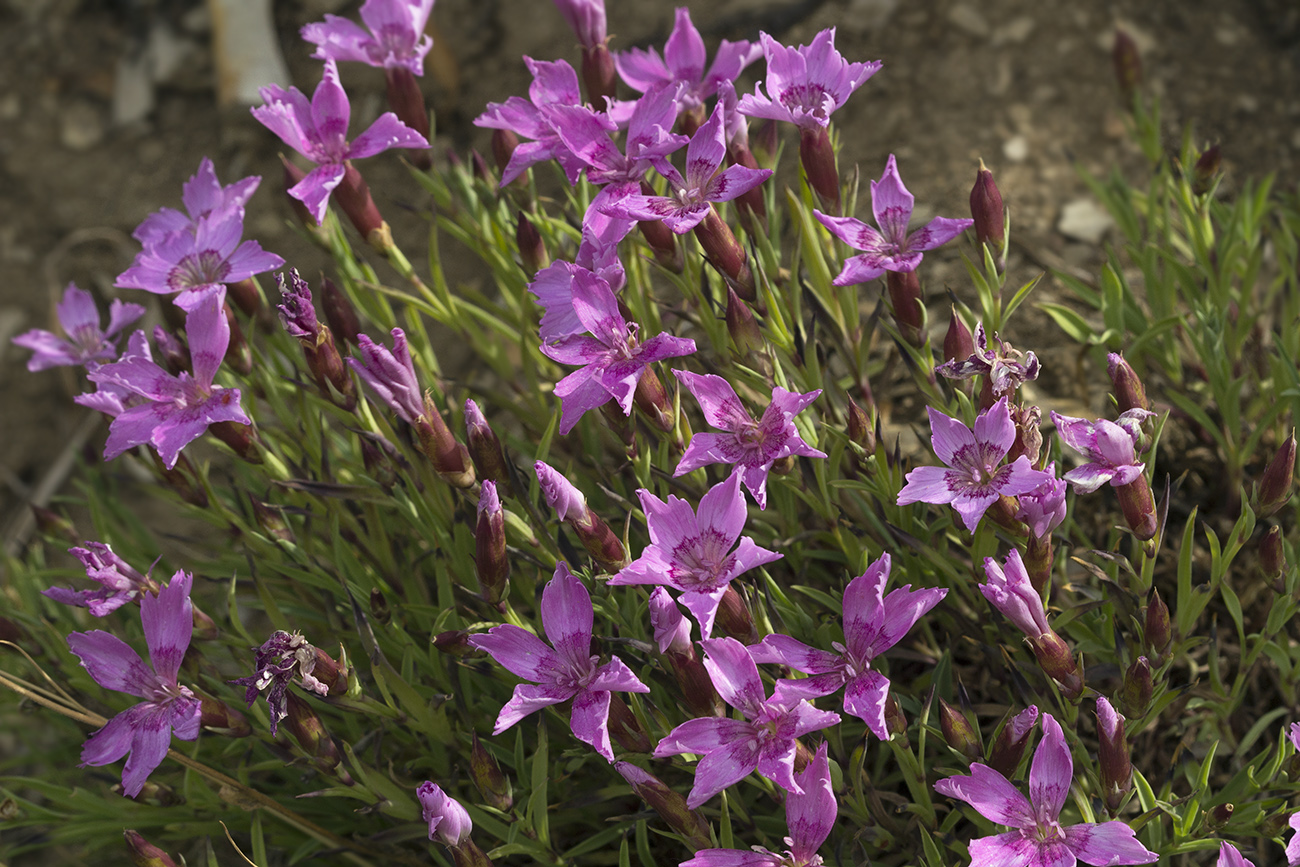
(567, 617)
(722, 767)
(864, 697)
(112, 663)
(527, 699)
(590, 721)
(734, 675)
(168, 620)
(992, 796)
(811, 816)
(1112, 843)
(1052, 771)
(519, 652)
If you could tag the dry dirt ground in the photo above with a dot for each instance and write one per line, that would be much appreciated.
(1024, 84)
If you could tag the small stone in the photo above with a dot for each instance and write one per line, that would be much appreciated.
(1018, 30)
(82, 126)
(1016, 148)
(866, 15)
(11, 105)
(1084, 220)
(968, 18)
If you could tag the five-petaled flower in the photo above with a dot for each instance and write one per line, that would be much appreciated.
(1037, 836)
(120, 581)
(1005, 367)
(973, 480)
(554, 83)
(873, 623)
(682, 63)
(889, 248)
(175, 410)
(395, 36)
(693, 553)
(732, 749)
(809, 816)
(805, 84)
(318, 130)
(144, 730)
(203, 196)
(752, 445)
(85, 343)
(566, 671)
(1110, 446)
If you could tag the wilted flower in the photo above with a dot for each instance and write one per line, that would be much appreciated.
(1012, 593)
(85, 342)
(391, 375)
(121, 582)
(285, 657)
(1005, 368)
(1109, 446)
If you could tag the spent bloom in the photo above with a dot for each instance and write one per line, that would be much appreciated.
(120, 581)
(1037, 835)
(973, 479)
(805, 84)
(611, 356)
(889, 248)
(85, 342)
(732, 749)
(693, 553)
(144, 730)
(393, 36)
(1005, 367)
(690, 198)
(1109, 446)
(810, 816)
(873, 623)
(203, 195)
(566, 669)
(753, 446)
(391, 375)
(449, 822)
(284, 658)
(318, 130)
(682, 63)
(175, 410)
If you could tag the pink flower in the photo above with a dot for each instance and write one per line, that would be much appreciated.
(890, 248)
(805, 84)
(144, 730)
(1012, 593)
(393, 36)
(682, 63)
(202, 195)
(1293, 845)
(751, 445)
(85, 343)
(973, 480)
(693, 553)
(732, 749)
(1110, 447)
(1230, 856)
(449, 822)
(562, 672)
(120, 581)
(554, 83)
(1037, 836)
(587, 18)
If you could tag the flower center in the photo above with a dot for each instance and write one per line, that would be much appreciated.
(808, 97)
(699, 562)
(198, 269)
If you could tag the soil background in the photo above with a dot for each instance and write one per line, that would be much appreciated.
(1026, 85)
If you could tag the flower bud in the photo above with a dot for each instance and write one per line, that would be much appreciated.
(570, 506)
(181, 479)
(662, 242)
(1159, 632)
(490, 563)
(485, 448)
(379, 608)
(1272, 559)
(271, 521)
(895, 720)
(669, 804)
(1128, 65)
(51, 524)
(958, 732)
(625, 728)
(1129, 391)
(238, 354)
(746, 338)
(407, 102)
(1009, 747)
(308, 730)
(1275, 824)
(455, 642)
(488, 777)
(987, 210)
(860, 430)
(247, 296)
(1206, 169)
(339, 313)
(651, 398)
(242, 439)
(599, 75)
(725, 253)
(354, 199)
(450, 459)
(751, 201)
(1116, 773)
(1139, 507)
(145, 854)
(1217, 816)
(380, 458)
(1057, 661)
(765, 141)
(532, 249)
(958, 345)
(504, 142)
(818, 158)
(449, 822)
(219, 717)
(481, 169)
(1135, 696)
(1279, 476)
(173, 354)
(734, 617)
(904, 289)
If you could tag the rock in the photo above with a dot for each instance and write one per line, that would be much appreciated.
(81, 127)
(1016, 148)
(246, 50)
(1084, 220)
(1017, 31)
(866, 15)
(969, 19)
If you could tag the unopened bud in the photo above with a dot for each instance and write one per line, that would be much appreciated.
(818, 158)
(958, 344)
(380, 458)
(407, 102)
(181, 479)
(1129, 391)
(746, 338)
(1116, 773)
(1139, 507)
(958, 732)
(669, 804)
(219, 717)
(1135, 696)
(599, 74)
(895, 719)
(1217, 816)
(485, 448)
(238, 353)
(339, 313)
(734, 617)
(160, 794)
(532, 249)
(51, 524)
(651, 398)
(308, 730)
(354, 199)
(1206, 169)
(481, 169)
(491, 565)
(904, 288)
(662, 241)
(379, 608)
(247, 296)
(1272, 558)
(271, 520)
(764, 141)
(1159, 630)
(726, 254)
(488, 777)
(455, 642)
(1009, 747)
(625, 728)
(145, 854)
(504, 142)
(1057, 661)
(450, 459)
(1275, 824)
(861, 431)
(171, 352)
(1128, 65)
(1279, 476)
(987, 210)
(241, 438)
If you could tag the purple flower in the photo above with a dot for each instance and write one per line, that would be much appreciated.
(449, 822)
(1005, 367)
(121, 583)
(282, 658)
(732, 749)
(752, 445)
(554, 83)
(1037, 836)
(569, 503)
(393, 36)
(689, 198)
(973, 480)
(587, 18)
(145, 730)
(176, 409)
(890, 248)
(809, 816)
(568, 671)
(1110, 447)
(1295, 735)
(390, 374)
(682, 64)
(873, 623)
(612, 357)
(318, 130)
(805, 84)
(672, 631)
(1230, 856)
(1043, 508)
(1012, 593)
(86, 343)
(693, 553)
(202, 195)
(1293, 845)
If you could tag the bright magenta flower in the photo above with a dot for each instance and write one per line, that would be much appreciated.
(449, 822)
(1110, 446)
(805, 84)
(683, 62)
(1230, 856)
(393, 36)
(85, 343)
(120, 581)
